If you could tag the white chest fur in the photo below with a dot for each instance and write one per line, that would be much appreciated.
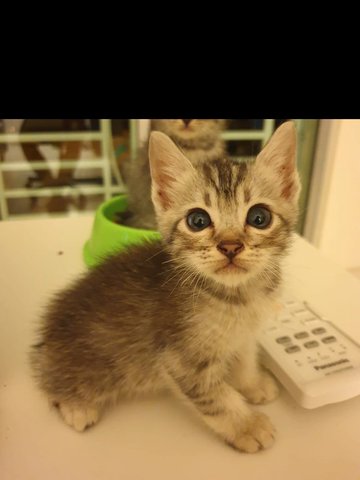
(222, 329)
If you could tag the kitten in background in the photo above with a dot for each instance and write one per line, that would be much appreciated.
(199, 140)
(182, 313)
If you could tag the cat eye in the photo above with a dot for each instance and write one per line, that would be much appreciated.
(258, 216)
(198, 220)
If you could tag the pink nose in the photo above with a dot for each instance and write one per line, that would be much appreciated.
(230, 249)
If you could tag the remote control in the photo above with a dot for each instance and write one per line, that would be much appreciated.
(316, 362)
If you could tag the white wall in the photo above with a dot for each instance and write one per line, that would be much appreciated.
(333, 222)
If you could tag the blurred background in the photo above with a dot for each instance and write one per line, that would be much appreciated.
(68, 167)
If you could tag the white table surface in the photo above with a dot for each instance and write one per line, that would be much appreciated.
(154, 438)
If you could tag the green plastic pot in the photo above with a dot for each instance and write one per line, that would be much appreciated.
(108, 237)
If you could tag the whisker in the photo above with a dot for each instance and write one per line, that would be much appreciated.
(155, 254)
(178, 271)
(199, 277)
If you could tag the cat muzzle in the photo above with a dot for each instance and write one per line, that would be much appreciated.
(230, 249)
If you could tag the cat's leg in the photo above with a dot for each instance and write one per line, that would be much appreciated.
(222, 408)
(79, 417)
(250, 379)
(79, 394)
(80, 411)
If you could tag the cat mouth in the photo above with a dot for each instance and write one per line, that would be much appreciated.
(231, 267)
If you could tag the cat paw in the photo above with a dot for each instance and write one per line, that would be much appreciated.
(265, 391)
(78, 418)
(258, 434)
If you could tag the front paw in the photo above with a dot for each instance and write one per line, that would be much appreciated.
(78, 418)
(265, 390)
(258, 433)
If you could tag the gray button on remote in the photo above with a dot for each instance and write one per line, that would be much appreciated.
(318, 331)
(329, 339)
(301, 335)
(283, 339)
(292, 349)
(311, 344)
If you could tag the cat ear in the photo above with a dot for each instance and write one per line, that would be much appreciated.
(169, 170)
(279, 155)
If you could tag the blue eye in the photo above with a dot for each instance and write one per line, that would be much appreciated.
(259, 217)
(198, 220)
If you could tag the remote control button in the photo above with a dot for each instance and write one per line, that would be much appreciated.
(283, 339)
(284, 316)
(294, 305)
(330, 339)
(297, 309)
(292, 349)
(318, 331)
(309, 319)
(302, 315)
(311, 344)
(301, 335)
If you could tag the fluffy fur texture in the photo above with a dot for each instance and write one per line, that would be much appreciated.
(181, 313)
(198, 139)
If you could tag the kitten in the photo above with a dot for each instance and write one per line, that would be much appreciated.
(199, 140)
(182, 313)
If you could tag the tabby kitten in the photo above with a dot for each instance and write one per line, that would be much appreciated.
(199, 140)
(182, 313)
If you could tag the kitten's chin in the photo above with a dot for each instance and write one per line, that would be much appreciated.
(231, 269)
(230, 275)
(186, 134)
